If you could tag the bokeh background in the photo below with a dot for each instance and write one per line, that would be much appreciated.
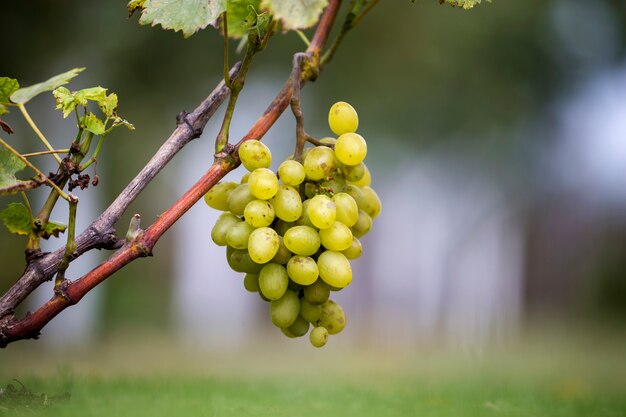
(497, 143)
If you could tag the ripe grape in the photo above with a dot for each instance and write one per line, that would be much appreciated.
(350, 148)
(217, 196)
(335, 269)
(239, 198)
(371, 203)
(223, 224)
(254, 154)
(316, 293)
(285, 310)
(302, 270)
(319, 163)
(363, 224)
(299, 328)
(355, 250)
(287, 203)
(302, 240)
(263, 244)
(310, 312)
(346, 208)
(239, 261)
(318, 336)
(259, 213)
(322, 211)
(251, 282)
(263, 183)
(273, 281)
(342, 118)
(291, 173)
(238, 235)
(332, 317)
(337, 237)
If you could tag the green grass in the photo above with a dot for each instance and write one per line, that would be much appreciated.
(152, 379)
(196, 396)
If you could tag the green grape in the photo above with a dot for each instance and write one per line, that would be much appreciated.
(222, 225)
(283, 255)
(239, 261)
(285, 310)
(304, 219)
(263, 183)
(317, 293)
(273, 281)
(318, 336)
(251, 282)
(310, 190)
(355, 249)
(310, 312)
(337, 237)
(291, 173)
(259, 213)
(335, 269)
(371, 203)
(350, 149)
(366, 180)
(347, 209)
(299, 328)
(302, 270)
(363, 224)
(254, 154)
(355, 192)
(322, 211)
(217, 196)
(238, 235)
(239, 198)
(319, 163)
(302, 240)
(244, 179)
(333, 185)
(332, 318)
(328, 140)
(282, 226)
(342, 118)
(263, 244)
(353, 173)
(287, 203)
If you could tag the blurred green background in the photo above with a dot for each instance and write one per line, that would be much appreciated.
(497, 143)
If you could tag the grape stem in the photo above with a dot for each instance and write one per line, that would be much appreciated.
(101, 234)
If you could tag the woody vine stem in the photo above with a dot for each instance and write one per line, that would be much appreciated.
(139, 243)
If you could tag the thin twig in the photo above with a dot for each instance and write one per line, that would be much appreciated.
(37, 131)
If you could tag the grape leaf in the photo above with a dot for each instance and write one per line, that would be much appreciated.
(109, 105)
(7, 87)
(466, 4)
(23, 95)
(93, 124)
(16, 218)
(53, 229)
(295, 14)
(238, 10)
(189, 16)
(9, 166)
(96, 94)
(65, 100)
(134, 5)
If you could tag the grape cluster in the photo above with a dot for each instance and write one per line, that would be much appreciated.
(294, 234)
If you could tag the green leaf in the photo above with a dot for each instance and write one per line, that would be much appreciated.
(466, 4)
(109, 105)
(295, 14)
(7, 87)
(16, 218)
(53, 229)
(9, 166)
(93, 124)
(134, 5)
(65, 100)
(189, 16)
(96, 94)
(238, 11)
(23, 95)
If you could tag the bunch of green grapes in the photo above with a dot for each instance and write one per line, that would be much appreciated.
(294, 233)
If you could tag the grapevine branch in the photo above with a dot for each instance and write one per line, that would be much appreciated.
(100, 234)
(71, 292)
